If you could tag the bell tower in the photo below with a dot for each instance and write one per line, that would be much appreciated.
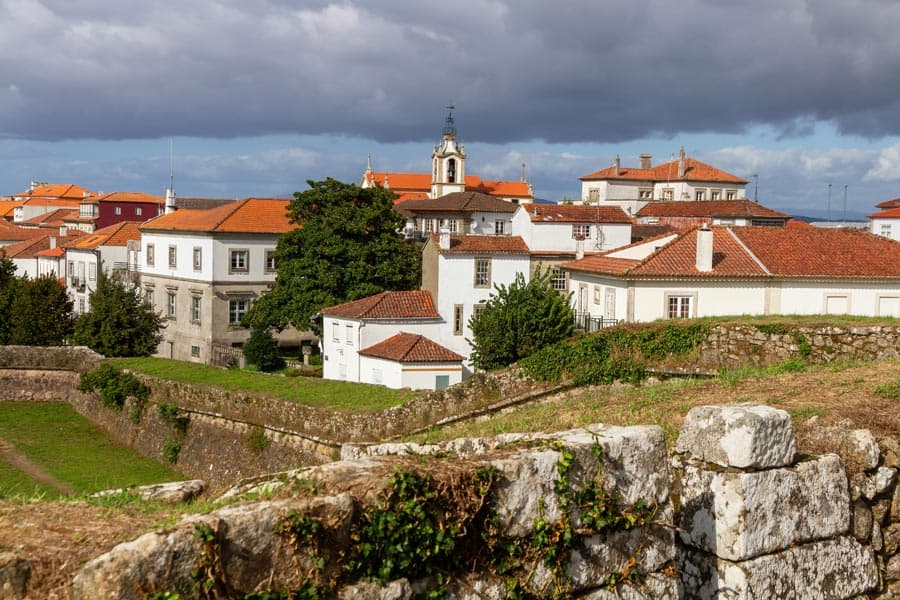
(448, 162)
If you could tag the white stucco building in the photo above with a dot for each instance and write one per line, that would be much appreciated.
(886, 223)
(112, 248)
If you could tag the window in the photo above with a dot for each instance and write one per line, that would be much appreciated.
(195, 351)
(148, 296)
(679, 307)
(429, 225)
(173, 254)
(198, 259)
(335, 332)
(170, 305)
(117, 210)
(270, 261)
(458, 319)
(451, 170)
(138, 211)
(558, 279)
(348, 333)
(81, 306)
(593, 195)
(195, 309)
(668, 194)
(377, 375)
(237, 307)
(715, 195)
(885, 230)
(151, 254)
(645, 194)
(238, 262)
(596, 294)
(482, 272)
(453, 225)
(581, 230)
(499, 227)
(477, 310)
(92, 271)
(70, 268)
(700, 195)
(730, 195)
(441, 382)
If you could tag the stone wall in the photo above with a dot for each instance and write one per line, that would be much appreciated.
(735, 513)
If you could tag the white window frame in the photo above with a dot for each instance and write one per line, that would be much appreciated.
(196, 309)
(173, 257)
(151, 255)
(482, 276)
(233, 254)
(237, 308)
(680, 305)
(271, 267)
(198, 258)
(171, 304)
(581, 229)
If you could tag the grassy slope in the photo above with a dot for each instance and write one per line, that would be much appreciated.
(312, 391)
(71, 449)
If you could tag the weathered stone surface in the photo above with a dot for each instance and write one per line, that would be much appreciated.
(856, 447)
(251, 552)
(881, 511)
(884, 479)
(742, 436)
(737, 516)
(891, 537)
(895, 505)
(173, 492)
(15, 572)
(861, 526)
(393, 590)
(525, 490)
(892, 568)
(655, 586)
(877, 541)
(833, 569)
(890, 452)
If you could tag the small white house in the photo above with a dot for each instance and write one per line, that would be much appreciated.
(723, 271)
(408, 360)
(886, 223)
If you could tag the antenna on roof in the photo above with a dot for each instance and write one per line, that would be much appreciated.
(844, 217)
(170, 192)
(829, 202)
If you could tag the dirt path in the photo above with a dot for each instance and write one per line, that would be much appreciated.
(9, 454)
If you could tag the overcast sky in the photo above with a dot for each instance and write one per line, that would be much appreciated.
(261, 96)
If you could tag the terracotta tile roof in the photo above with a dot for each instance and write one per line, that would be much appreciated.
(7, 207)
(694, 170)
(895, 203)
(118, 234)
(795, 252)
(891, 213)
(459, 202)
(10, 232)
(601, 264)
(421, 182)
(57, 202)
(796, 223)
(138, 197)
(54, 218)
(57, 191)
(710, 208)
(416, 304)
(576, 213)
(27, 248)
(252, 215)
(52, 252)
(411, 348)
(640, 232)
(487, 244)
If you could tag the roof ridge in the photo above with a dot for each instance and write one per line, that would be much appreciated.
(750, 252)
(229, 213)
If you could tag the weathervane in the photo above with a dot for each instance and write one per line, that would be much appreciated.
(449, 127)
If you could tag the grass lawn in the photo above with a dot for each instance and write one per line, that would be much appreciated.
(312, 391)
(15, 483)
(70, 448)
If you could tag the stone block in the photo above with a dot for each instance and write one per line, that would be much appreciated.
(738, 515)
(891, 535)
(15, 572)
(861, 525)
(856, 447)
(742, 436)
(885, 478)
(834, 569)
(653, 587)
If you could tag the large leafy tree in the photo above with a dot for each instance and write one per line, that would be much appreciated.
(40, 312)
(8, 284)
(519, 320)
(347, 247)
(262, 350)
(121, 322)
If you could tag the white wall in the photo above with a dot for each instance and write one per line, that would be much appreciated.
(215, 255)
(557, 236)
(810, 298)
(875, 226)
(415, 376)
(641, 251)
(711, 298)
(595, 301)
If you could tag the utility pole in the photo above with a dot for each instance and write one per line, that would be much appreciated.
(829, 201)
(844, 217)
(755, 177)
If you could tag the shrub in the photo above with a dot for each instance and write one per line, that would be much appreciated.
(262, 350)
(114, 385)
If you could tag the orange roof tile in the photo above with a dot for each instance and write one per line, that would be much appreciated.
(27, 248)
(54, 218)
(601, 264)
(488, 244)
(57, 191)
(694, 171)
(576, 213)
(252, 215)
(710, 208)
(421, 182)
(7, 207)
(118, 234)
(52, 252)
(57, 202)
(458, 202)
(891, 213)
(416, 304)
(411, 348)
(131, 197)
(9, 232)
(895, 203)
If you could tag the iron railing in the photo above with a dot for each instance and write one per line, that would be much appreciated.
(588, 322)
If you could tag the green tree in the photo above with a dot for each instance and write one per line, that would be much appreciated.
(519, 320)
(262, 350)
(8, 284)
(40, 313)
(120, 322)
(347, 247)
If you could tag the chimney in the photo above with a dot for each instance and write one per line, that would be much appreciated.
(704, 249)
(618, 165)
(579, 248)
(387, 184)
(170, 200)
(681, 163)
(646, 161)
(444, 240)
(52, 242)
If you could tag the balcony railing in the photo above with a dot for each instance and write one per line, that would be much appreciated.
(588, 322)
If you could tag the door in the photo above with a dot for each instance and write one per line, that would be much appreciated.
(609, 311)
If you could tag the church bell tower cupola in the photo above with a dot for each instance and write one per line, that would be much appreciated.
(448, 162)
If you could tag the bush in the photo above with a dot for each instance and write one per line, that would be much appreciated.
(114, 385)
(262, 350)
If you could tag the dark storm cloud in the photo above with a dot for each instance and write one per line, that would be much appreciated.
(580, 70)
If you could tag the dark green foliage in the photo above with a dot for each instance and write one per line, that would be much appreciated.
(171, 450)
(262, 350)
(889, 391)
(8, 283)
(171, 414)
(121, 322)
(40, 313)
(773, 328)
(346, 248)
(519, 320)
(114, 385)
(618, 353)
